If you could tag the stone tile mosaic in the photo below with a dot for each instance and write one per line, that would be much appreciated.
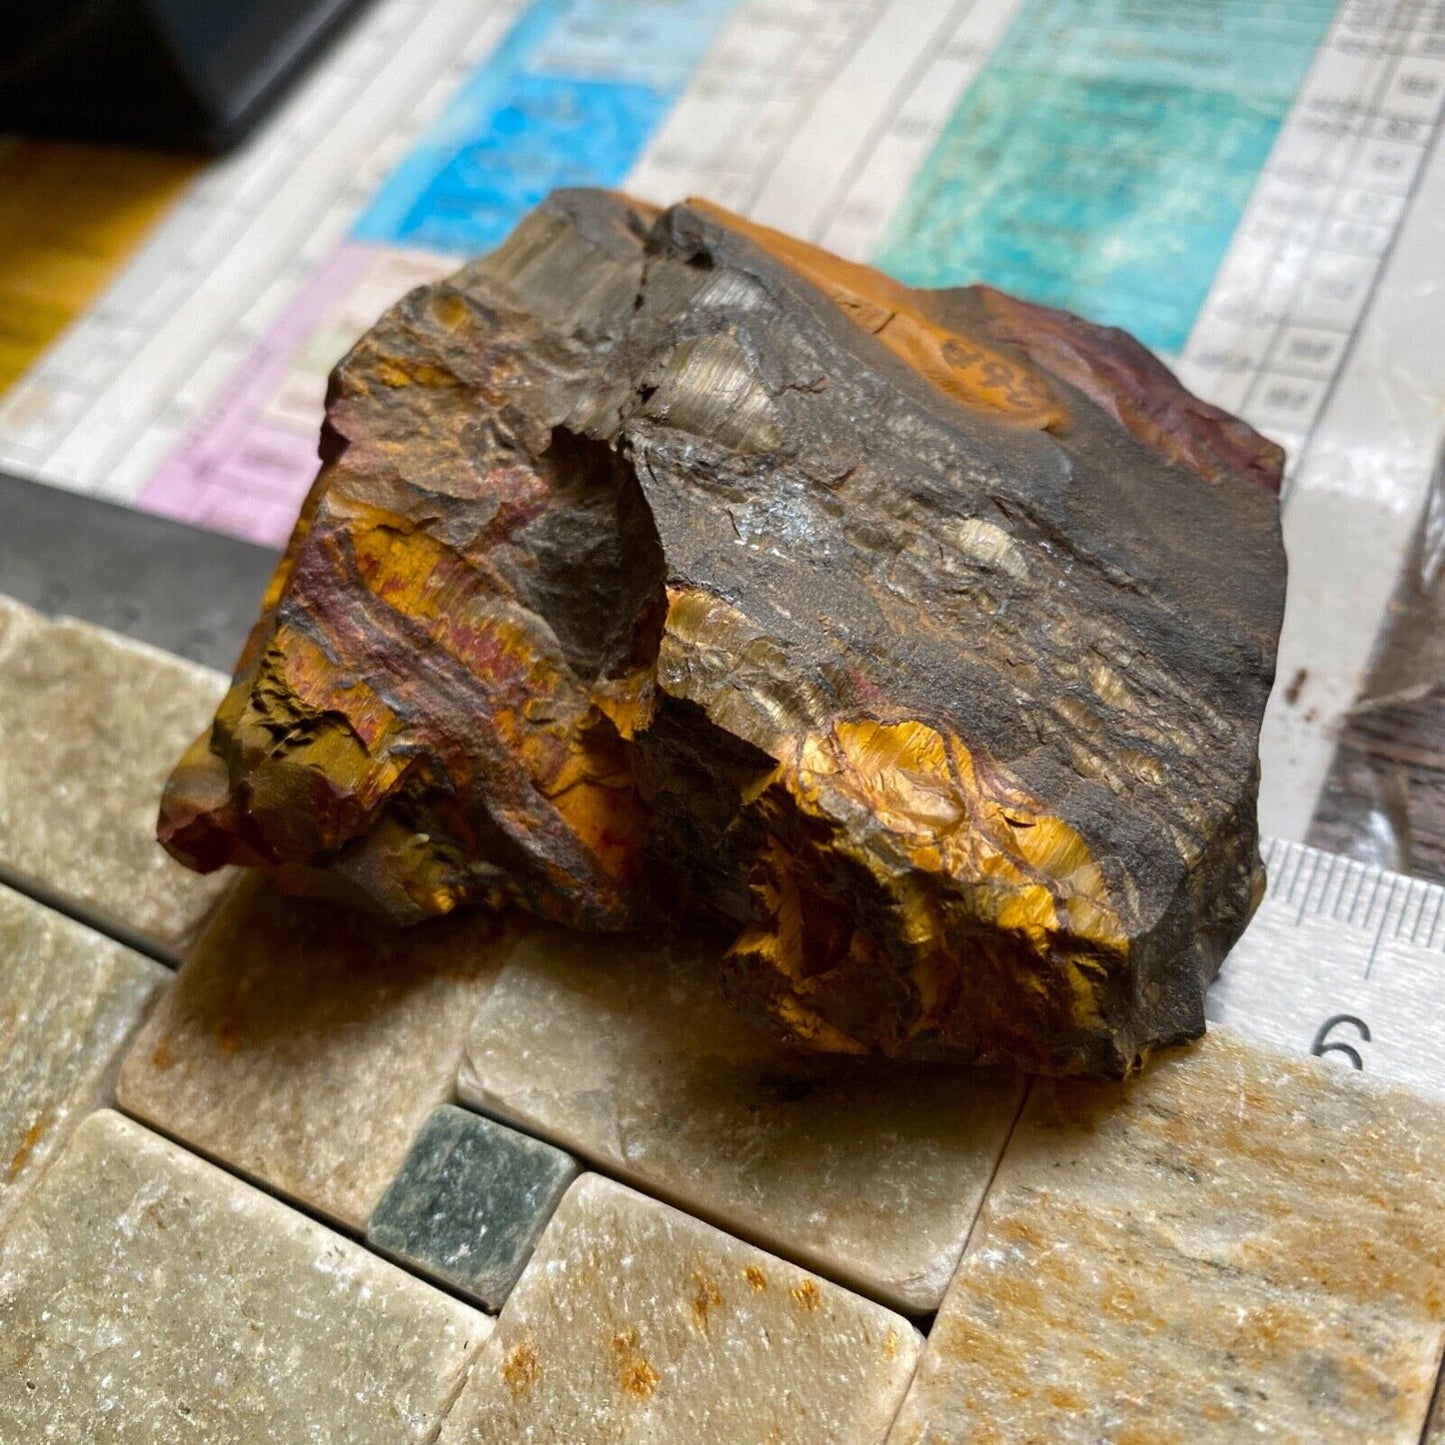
(638, 1323)
(69, 999)
(619, 1051)
(1236, 1246)
(305, 1044)
(470, 1202)
(90, 725)
(146, 1297)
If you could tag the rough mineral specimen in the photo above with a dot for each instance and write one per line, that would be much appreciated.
(661, 567)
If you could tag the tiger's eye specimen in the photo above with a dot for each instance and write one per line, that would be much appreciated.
(665, 571)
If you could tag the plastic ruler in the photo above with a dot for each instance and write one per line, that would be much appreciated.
(1344, 960)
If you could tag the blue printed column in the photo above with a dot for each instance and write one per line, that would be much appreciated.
(569, 99)
(1103, 156)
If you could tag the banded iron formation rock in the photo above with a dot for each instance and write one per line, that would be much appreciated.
(663, 570)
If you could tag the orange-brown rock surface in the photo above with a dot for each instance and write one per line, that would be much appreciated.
(666, 572)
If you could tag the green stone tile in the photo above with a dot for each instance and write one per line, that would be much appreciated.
(69, 999)
(90, 726)
(149, 1298)
(470, 1202)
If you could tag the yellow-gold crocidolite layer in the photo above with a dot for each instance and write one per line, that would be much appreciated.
(665, 573)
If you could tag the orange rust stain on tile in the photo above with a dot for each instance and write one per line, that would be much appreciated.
(983, 1432)
(164, 1056)
(1122, 1301)
(706, 1298)
(755, 1277)
(520, 1369)
(27, 1146)
(635, 1377)
(807, 1294)
(229, 1036)
(1146, 1435)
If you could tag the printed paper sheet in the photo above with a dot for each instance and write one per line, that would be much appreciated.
(1256, 190)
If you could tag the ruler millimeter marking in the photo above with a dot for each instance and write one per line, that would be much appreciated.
(1344, 960)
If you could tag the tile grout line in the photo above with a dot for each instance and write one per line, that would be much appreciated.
(1024, 1095)
(922, 1322)
(116, 932)
(1437, 1402)
(95, 919)
(589, 1165)
(102, 1096)
(332, 1226)
(106, 926)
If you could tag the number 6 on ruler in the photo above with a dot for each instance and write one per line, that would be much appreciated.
(1321, 1048)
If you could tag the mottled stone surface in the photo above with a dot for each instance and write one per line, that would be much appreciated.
(620, 1050)
(69, 999)
(1237, 1247)
(470, 1202)
(636, 1323)
(659, 563)
(89, 725)
(147, 1297)
(305, 1045)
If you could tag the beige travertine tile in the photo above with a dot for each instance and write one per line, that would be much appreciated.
(90, 726)
(618, 1050)
(636, 1323)
(1235, 1247)
(305, 1044)
(15, 619)
(69, 999)
(147, 1297)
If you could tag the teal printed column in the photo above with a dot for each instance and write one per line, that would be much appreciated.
(569, 98)
(1103, 156)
